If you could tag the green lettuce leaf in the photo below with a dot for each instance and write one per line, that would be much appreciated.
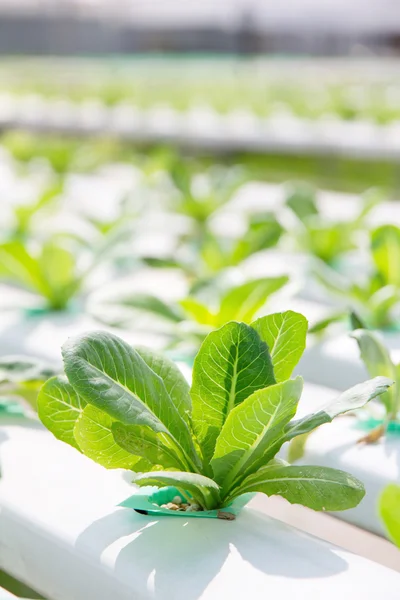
(94, 436)
(352, 399)
(251, 428)
(319, 488)
(198, 311)
(140, 440)
(378, 362)
(175, 383)
(59, 407)
(111, 375)
(232, 363)
(285, 334)
(17, 265)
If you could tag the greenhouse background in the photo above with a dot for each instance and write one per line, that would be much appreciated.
(199, 299)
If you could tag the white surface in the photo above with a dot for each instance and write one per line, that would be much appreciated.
(61, 533)
(43, 336)
(376, 465)
(4, 595)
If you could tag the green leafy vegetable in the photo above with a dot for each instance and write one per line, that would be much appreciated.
(325, 238)
(314, 487)
(59, 408)
(352, 399)
(24, 214)
(389, 509)
(50, 269)
(95, 435)
(108, 373)
(243, 302)
(377, 360)
(215, 441)
(252, 428)
(301, 199)
(233, 362)
(198, 198)
(374, 298)
(285, 334)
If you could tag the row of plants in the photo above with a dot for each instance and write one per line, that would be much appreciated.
(57, 266)
(64, 154)
(243, 86)
(202, 251)
(131, 408)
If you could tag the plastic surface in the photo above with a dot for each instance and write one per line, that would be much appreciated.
(41, 336)
(150, 504)
(61, 534)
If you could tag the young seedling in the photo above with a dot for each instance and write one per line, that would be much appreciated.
(50, 269)
(200, 195)
(324, 238)
(131, 408)
(50, 273)
(377, 297)
(204, 259)
(377, 360)
(24, 214)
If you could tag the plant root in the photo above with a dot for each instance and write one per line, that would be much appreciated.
(373, 436)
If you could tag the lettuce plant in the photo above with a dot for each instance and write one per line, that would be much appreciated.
(24, 214)
(377, 360)
(200, 195)
(324, 238)
(212, 253)
(389, 510)
(216, 252)
(52, 270)
(375, 296)
(216, 440)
